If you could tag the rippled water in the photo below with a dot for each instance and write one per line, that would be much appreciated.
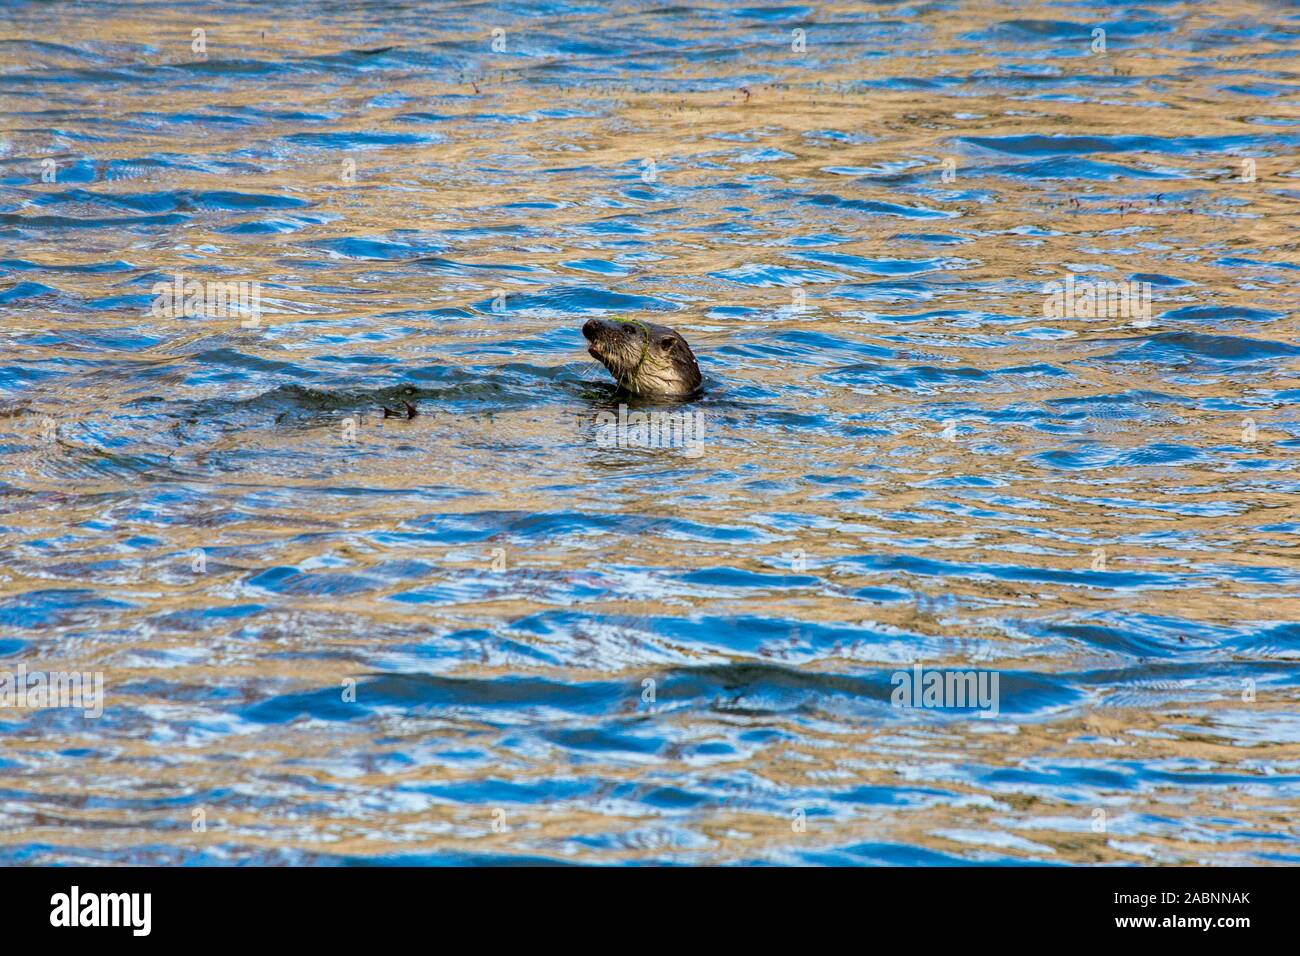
(672, 656)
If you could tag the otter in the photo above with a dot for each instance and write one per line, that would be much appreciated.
(645, 359)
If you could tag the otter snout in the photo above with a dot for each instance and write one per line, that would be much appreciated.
(599, 330)
(613, 341)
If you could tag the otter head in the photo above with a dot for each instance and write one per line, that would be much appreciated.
(644, 358)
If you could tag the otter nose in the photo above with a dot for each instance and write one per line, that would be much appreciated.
(590, 330)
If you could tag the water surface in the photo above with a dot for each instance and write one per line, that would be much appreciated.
(905, 459)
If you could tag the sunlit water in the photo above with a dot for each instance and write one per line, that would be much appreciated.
(569, 652)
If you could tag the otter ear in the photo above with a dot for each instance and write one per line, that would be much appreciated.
(667, 343)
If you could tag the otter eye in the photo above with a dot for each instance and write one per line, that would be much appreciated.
(667, 344)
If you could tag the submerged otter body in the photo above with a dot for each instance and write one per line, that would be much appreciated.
(645, 359)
